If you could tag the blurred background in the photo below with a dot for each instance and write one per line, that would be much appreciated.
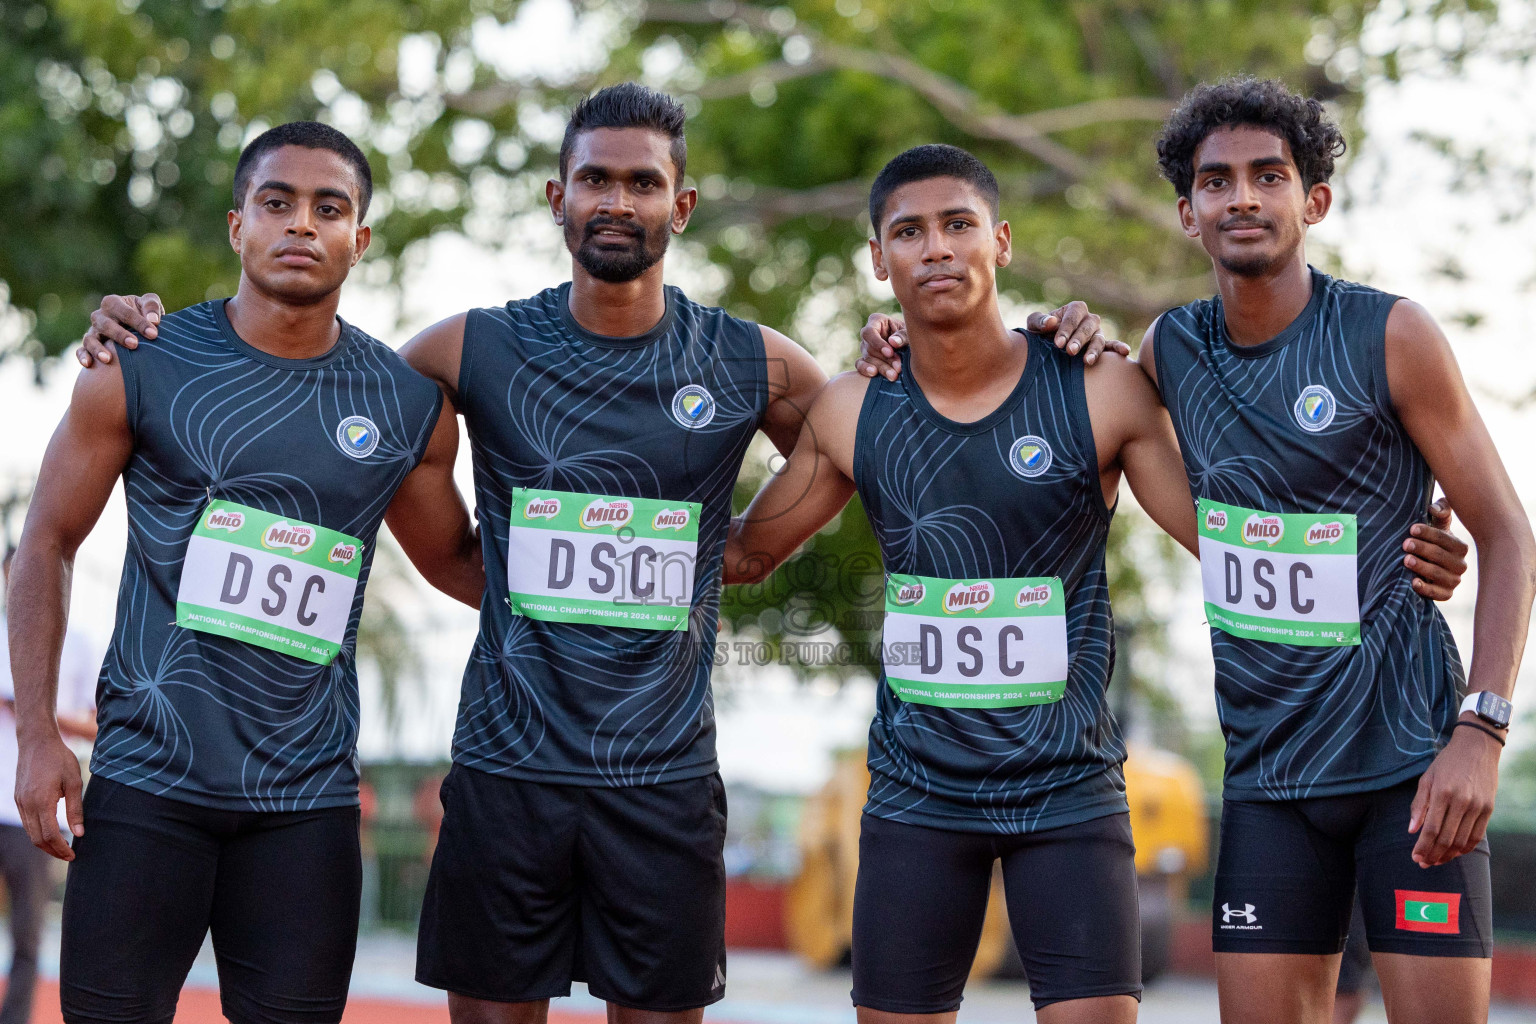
(120, 123)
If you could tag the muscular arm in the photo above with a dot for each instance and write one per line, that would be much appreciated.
(88, 453)
(812, 487)
(1431, 399)
(430, 520)
(794, 382)
(437, 353)
(1133, 434)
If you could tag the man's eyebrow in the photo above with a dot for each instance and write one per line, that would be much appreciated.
(277, 186)
(334, 193)
(608, 172)
(1213, 168)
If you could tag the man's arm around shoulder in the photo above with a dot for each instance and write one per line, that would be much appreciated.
(811, 487)
(430, 520)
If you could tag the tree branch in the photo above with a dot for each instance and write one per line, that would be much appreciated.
(962, 106)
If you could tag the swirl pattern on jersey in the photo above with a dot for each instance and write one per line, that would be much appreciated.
(944, 501)
(551, 405)
(1316, 721)
(204, 718)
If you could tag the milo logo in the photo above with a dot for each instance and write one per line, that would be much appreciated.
(600, 513)
(542, 508)
(225, 519)
(1029, 597)
(1263, 530)
(296, 537)
(670, 519)
(343, 553)
(1215, 520)
(1324, 533)
(968, 597)
(909, 593)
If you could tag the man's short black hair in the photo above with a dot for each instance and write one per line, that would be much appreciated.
(933, 161)
(629, 105)
(1303, 124)
(310, 135)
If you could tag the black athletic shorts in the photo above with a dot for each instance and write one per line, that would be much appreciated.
(1355, 967)
(1288, 871)
(535, 885)
(921, 897)
(152, 875)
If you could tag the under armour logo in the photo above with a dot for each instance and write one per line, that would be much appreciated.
(1247, 914)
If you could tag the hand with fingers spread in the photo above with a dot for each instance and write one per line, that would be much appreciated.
(1437, 557)
(1076, 330)
(47, 772)
(119, 320)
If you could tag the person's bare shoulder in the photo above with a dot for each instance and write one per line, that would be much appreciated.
(834, 417)
(1120, 398)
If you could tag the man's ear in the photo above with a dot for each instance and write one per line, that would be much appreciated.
(682, 208)
(877, 256)
(234, 230)
(364, 237)
(554, 192)
(1187, 218)
(1004, 236)
(1319, 202)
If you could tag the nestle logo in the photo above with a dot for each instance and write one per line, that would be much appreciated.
(613, 514)
(296, 537)
(542, 508)
(225, 520)
(964, 597)
(1324, 533)
(1263, 530)
(671, 519)
(1028, 597)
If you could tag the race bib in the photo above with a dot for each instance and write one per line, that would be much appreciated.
(1286, 579)
(601, 560)
(278, 583)
(976, 643)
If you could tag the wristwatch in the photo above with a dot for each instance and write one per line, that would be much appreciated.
(1488, 706)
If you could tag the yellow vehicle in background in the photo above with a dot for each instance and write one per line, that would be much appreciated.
(1168, 821)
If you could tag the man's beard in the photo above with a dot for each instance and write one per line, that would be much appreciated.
(1257, 265)
(616, 265)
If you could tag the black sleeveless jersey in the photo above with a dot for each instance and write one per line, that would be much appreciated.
(666, 415)
(325, 441)
(1015, 494)
(1304, 423)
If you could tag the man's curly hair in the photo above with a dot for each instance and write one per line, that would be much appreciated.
(1314, 139)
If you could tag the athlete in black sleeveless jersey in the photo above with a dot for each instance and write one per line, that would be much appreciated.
(1325, 410)
(261, 443)
(989, 473)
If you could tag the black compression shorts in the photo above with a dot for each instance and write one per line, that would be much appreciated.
(151, 876)
(1287, 871)
(921, 897)
(535, 885)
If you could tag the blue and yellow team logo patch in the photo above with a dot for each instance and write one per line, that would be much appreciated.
(1315, 408)
(1030, 456)
(693, 406)
(358, 436)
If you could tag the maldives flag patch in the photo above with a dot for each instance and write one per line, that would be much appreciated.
(1435, 912)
